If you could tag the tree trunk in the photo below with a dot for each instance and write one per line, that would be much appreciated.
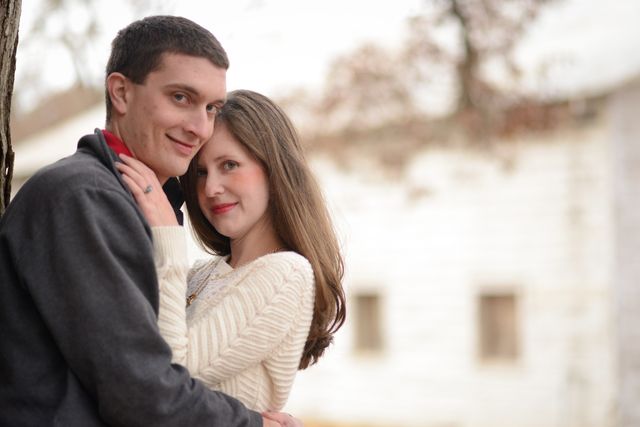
(468, 66)
(9, 21)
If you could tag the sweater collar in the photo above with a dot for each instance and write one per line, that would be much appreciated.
(116, 143)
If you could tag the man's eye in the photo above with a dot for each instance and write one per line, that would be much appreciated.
(180, 97)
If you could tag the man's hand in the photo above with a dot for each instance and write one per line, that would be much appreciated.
(280, 419)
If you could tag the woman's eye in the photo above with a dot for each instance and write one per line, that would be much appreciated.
(229, 165)
(200, 172)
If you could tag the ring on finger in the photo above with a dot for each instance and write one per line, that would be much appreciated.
(148, 189)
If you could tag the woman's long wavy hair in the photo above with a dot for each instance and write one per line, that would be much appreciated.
(298, 209)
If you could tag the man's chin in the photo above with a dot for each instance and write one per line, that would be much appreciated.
(179, 170)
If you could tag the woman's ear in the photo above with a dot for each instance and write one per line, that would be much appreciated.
(117, 86)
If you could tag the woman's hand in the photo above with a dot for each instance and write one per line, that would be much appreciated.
(147, 191)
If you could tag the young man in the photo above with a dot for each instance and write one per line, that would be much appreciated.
(79, 344)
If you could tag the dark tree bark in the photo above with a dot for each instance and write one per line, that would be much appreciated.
(9, 22)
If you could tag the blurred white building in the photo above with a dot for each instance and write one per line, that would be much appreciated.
(484, 290)
(495, 290)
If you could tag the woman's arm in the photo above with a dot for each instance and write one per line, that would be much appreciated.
(260, 323)
(170, 256)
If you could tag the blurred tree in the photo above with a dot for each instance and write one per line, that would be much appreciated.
(446, 64)
(364, 88)
(487, 32)
(9, 21)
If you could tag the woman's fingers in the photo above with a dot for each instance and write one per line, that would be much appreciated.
(147, 192)
(134, 181)
(135, 189)
(130, 172)
(140, 168)
(141, 174)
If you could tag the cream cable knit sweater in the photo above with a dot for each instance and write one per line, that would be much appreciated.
(245, 332)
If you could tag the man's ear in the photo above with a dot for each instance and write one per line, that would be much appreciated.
(117, 88)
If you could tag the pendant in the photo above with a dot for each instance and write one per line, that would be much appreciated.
(190, 299)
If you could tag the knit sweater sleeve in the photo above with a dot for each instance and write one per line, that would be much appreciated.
(172, 266)
(248, 339)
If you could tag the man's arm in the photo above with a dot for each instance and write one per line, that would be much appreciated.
(93, 280)
(275, 419)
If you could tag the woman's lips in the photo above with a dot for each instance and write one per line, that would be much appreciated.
(222, 208)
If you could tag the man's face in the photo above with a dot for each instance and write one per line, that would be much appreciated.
(170, 116)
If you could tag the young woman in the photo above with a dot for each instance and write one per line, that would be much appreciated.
(271, 299)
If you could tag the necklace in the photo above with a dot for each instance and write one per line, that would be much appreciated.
(203, 282)
(192, 297)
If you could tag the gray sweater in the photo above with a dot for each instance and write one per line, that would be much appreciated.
(79, 342)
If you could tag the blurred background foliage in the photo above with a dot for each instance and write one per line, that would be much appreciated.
(454, 71)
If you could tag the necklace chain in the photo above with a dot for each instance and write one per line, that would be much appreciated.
(192, 297)
(203, 284)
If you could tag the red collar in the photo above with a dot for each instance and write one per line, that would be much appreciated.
(116, 143)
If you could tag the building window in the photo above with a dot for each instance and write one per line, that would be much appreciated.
(368, 322)
(498, 327)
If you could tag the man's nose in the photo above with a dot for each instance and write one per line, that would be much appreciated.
(200, 124)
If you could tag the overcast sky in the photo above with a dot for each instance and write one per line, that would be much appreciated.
(274, 45)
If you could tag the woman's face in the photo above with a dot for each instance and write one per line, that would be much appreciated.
(233, 189)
